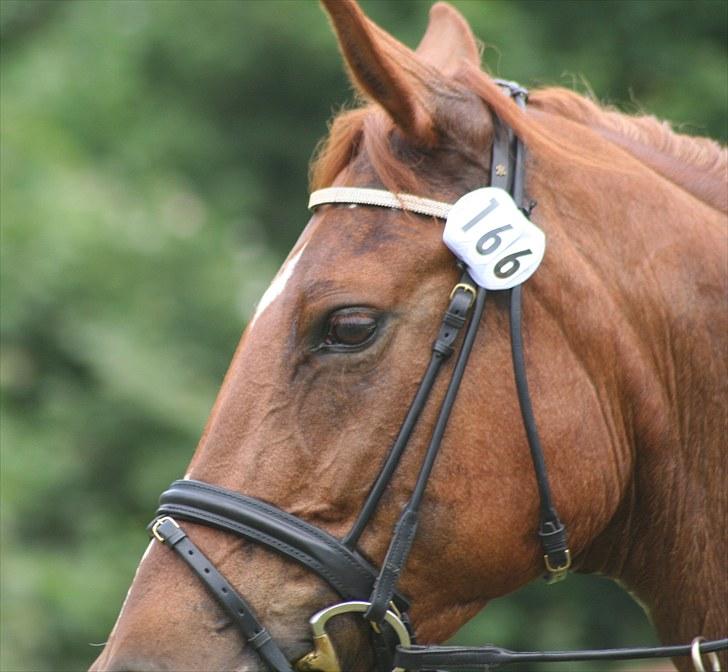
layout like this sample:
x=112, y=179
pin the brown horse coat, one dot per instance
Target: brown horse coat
x=625, y=331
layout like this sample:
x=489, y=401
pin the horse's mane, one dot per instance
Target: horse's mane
x=698, y=165
x=699, y=152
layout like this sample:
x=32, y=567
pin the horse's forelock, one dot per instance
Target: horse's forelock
x=368, y=130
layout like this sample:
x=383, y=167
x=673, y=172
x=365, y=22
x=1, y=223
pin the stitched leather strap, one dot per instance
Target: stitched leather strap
x=344, y=570
x=170, y=534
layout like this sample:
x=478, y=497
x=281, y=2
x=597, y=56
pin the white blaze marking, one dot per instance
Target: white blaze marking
x=278, y=285
x=144, y=556
x=271, y=294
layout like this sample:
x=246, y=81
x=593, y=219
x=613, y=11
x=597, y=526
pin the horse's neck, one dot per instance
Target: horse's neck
x=677, y=500
x=678, y=493
x=662, y=264
x=700, y=170
x=666, y=543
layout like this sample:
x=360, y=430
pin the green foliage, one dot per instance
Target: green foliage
x=154, y=161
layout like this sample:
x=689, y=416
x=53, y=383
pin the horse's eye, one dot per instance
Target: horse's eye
x=350, y=328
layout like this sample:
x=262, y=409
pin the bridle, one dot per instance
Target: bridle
x=364, y=588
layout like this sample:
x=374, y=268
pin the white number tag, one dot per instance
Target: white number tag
x=499, y=245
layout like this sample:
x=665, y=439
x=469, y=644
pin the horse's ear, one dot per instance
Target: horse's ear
x=448, y=41
x=384, y=70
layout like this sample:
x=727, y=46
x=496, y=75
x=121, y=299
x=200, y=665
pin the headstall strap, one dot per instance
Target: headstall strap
x=168, y=532
x=365, y=589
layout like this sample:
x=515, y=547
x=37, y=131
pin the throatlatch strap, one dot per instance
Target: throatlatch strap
x=167, y=531
x=552, y=532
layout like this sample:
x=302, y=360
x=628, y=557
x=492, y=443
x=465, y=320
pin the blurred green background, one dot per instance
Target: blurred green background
x=154, y=159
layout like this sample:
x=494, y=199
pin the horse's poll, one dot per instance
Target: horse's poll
x=489, y=231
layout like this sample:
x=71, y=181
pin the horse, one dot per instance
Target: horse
x=624, y=339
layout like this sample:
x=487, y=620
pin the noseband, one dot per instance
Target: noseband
x=363, y=588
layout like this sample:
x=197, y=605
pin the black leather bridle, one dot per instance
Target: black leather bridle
x=364, y=588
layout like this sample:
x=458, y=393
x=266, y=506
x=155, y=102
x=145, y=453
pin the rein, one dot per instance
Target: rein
x=365, y=589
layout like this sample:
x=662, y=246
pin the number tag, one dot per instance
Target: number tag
x=499, y=245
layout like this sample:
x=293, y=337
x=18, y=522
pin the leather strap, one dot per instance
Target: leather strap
x=344, y=570
x=171, y=534
x=416, y=658
x=454, y=319
x=406, y=528
x=503, y=171
x=552, y=532
x=502, y=167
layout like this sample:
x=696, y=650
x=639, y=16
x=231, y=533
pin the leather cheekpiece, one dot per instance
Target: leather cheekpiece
x=229, y=599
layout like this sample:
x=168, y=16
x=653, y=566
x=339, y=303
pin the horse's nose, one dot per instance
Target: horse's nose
x=123, y=664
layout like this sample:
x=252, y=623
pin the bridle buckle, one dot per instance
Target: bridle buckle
x=558, y=573
x=466, y=288
x=157, y=523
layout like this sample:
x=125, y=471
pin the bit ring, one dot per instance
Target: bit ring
x=697, y=657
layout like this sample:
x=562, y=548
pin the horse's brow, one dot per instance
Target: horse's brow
x=316, y=289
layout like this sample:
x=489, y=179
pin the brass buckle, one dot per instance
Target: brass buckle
x=558, y=573
x=466, y=288
x=323, y=658
x=697, y=657
x=156, y=525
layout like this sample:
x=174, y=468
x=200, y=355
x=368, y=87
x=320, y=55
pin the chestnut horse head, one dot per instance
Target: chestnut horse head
x=625, y=327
